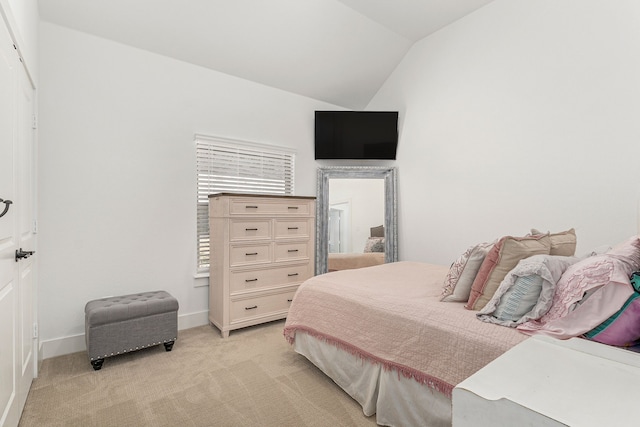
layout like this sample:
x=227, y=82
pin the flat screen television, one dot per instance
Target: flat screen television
x=356, y=135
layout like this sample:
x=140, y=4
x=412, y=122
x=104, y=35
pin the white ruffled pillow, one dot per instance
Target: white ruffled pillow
x=526, y=292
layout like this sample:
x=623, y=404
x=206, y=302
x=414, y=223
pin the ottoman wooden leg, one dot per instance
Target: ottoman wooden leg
x=168, y=345
x=97, y=364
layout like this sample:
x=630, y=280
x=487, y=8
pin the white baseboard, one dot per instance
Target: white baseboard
x=75, y=343
x=62, y=346
x=191, y=320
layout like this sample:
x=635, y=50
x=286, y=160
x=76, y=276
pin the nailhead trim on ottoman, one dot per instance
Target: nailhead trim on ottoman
x=117, y=325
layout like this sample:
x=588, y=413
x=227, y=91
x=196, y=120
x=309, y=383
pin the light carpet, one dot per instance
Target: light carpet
x=252, y=378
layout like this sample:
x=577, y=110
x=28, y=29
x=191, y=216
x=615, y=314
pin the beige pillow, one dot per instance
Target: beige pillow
x=457, y=283
x=562, y=243
x=500, y=260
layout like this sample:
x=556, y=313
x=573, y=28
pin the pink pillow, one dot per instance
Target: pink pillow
x=604, y=301
x=621, y=329
x=613, y=267
x=628, y=252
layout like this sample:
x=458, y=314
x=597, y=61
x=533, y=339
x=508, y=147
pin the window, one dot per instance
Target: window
x=230, y=166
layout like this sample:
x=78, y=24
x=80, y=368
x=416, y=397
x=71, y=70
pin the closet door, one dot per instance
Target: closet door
x=17, y=344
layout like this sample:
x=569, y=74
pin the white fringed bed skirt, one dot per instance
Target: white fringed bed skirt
x=395, y=399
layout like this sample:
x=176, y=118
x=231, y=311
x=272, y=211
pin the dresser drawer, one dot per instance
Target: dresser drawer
x=260, y=306
x=240, y=255
x=290, y=251
x=246, y=206
x=292, y=228
x=242, y=281
x=249, y=230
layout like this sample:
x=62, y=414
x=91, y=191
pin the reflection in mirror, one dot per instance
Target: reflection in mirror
x=355, y=206
x=356, y=215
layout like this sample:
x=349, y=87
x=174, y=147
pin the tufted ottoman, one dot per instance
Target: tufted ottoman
x=126, y=323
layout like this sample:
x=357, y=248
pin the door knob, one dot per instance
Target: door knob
x=7, y=204
x=23, y=254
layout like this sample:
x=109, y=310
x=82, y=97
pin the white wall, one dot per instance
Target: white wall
x=523, y=114
x=117, y=170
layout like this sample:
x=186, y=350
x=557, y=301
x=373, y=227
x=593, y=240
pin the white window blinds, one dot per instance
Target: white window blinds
x=229, y=166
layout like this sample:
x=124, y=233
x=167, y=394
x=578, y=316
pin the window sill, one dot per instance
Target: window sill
x=198, y=283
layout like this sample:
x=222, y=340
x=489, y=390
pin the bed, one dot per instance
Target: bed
x=373, y=253
x=340, y=261
x=382, y=334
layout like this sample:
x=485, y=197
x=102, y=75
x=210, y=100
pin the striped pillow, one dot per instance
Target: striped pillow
x=520, y=298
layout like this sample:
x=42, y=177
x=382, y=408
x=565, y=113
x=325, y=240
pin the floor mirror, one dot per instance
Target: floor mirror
x=355, y=204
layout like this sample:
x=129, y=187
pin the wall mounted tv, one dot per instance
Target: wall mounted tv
x=356, y=135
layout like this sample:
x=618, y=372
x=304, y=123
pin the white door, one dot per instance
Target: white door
x=339, y=227
x=335, y=223
x=25, y=209
x=17, y=348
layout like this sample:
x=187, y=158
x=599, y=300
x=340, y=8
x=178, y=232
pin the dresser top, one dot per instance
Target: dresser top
x=277, y=196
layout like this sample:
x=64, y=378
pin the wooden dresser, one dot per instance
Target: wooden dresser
x=262, y=248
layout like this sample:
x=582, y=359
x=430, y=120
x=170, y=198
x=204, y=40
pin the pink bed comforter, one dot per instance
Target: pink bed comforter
x=391, y=314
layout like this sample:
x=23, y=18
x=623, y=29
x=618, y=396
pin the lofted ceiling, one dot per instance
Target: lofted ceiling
x=337, y=51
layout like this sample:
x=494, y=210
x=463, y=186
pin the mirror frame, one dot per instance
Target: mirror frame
x=389, y=174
